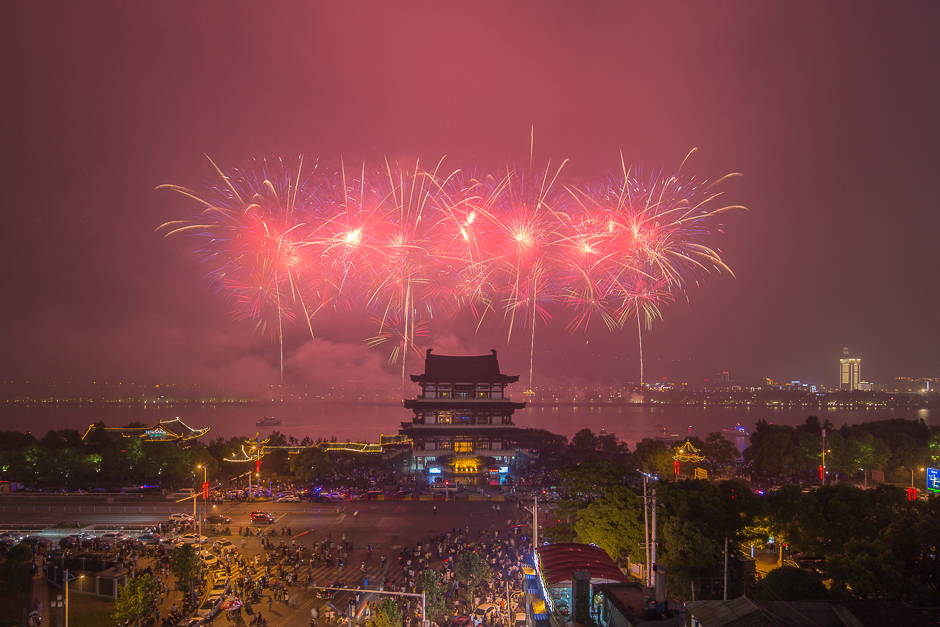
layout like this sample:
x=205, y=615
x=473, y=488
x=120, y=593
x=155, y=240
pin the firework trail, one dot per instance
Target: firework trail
x=405, y=244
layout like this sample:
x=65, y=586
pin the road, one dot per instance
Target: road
x=385, y=525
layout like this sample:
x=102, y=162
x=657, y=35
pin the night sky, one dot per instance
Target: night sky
x=831, y=111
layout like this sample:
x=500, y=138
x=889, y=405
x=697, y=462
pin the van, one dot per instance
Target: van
x=179, y=495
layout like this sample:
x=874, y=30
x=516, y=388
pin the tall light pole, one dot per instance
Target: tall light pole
x=65, y=584
x=205, y=480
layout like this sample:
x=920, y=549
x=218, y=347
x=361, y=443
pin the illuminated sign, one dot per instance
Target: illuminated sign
x=933, y=480
x=504, y=469
x=434, y=470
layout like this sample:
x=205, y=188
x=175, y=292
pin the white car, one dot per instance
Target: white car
x=223, y=546
x=193, y=538
x=485, y=613
x=181, y=517
x=114, y=537
x=208, y=559
x=289, y=498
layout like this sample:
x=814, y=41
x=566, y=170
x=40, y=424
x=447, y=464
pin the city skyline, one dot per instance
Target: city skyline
x=827, y=111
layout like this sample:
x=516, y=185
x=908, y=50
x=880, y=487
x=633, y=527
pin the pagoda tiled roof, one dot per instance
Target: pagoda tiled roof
x=462, y=369
x=470, y=405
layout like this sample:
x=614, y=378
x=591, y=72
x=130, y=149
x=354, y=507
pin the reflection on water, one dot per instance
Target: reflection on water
x=367, y=422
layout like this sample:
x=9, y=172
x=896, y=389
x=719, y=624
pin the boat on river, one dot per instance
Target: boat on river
x=268, y=421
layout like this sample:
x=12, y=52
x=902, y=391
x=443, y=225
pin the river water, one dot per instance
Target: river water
x=367, y=422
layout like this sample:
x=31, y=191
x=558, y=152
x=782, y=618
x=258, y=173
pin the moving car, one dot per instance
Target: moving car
x=260, y=517
x=114, y=537
x=223, y=546
x=181, y=517
x=323, y=593
x=150, y=538
x=485, y=613
x=289, y=498
x=193, y=538
x=217, y=519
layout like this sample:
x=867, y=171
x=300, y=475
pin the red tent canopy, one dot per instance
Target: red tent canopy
x=557, y=563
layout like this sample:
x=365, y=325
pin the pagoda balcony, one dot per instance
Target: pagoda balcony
x=422, y=397
x=457, y=425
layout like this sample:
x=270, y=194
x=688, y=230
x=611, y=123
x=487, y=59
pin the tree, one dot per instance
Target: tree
x=869, y=569
x=778, y=455
x=310, y=464
x=789, y=583
x=720, y=452
x=186, y=566
x=434, y=594
x=134, y=600
x=472, y=569
x=387, y=614
x=610, y=443
x=585, y=439
x=614, y=522
x=652, y=457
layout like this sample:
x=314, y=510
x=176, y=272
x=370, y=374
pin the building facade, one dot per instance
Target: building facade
x=462, y=430
x=850, y=371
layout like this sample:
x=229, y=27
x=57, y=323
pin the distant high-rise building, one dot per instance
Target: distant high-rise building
x=850, y=371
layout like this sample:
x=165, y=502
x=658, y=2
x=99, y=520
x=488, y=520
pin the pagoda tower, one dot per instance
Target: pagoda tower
x=462, y=427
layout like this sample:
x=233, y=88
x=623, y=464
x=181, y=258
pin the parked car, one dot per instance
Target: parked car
x=114, y=537
x=193, y=538
x=216, y=519
x=371, y=494
x=37, y=541
x=150, y=538
x=208, y=559
x=289, y=498
x=73, y=540
x=181, y=517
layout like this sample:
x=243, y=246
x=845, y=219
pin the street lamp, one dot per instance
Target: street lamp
x=65, y=584
x=912, y=475
x=205, y=480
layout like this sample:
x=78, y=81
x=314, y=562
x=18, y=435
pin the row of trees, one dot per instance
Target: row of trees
x=790, y=453
x=875, y=542
x=63, y=458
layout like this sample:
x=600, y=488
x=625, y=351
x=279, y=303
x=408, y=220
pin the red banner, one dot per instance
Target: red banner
x=205, y=491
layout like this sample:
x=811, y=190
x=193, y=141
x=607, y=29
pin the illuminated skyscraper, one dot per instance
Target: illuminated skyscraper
x=849, y=371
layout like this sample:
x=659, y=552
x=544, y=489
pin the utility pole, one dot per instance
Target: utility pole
x=726, y=568
x=646, y=528
x=535, y=521
x=823, y=478
x=653, y=543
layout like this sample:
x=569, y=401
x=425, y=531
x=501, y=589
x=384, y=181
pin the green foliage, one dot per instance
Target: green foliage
x=134, y=599
x=185, y=566
x=653, y=457
x=614, y=522
x=789, y=583
x=584, y=439
x=472, y=569
x=434, y=593
x=310, y=463
x=387, y=614
x=14, y=583
x=868, y=569
x=721, y=454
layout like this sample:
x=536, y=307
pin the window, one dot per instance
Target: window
x=463, y=447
